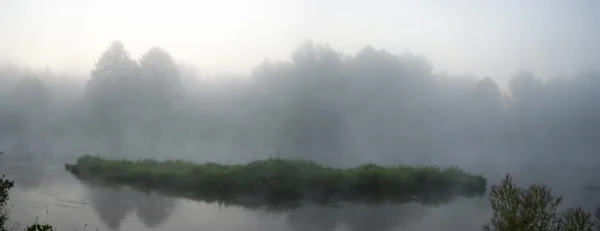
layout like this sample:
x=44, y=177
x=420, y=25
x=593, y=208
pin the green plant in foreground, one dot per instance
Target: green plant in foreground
x=38, y=227
x=5, y=186
x=534, y=209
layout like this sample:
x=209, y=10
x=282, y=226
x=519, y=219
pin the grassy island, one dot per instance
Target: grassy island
x=280, y=179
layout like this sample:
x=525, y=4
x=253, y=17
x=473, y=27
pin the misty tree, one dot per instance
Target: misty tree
x=29, y=102
x=486, y=114
x=27, y=99
x=160, y=80
x=112, y=91
x=571, y=116
x=525, y=90
x=320, y=104
x=113, y=205
x=586, y=108
x=112, y=86
x=328, y=103
x=387, y=97
x=524, y=125
x=154, y=209
x=487, y=94
x=303, y=97
x=160, y=91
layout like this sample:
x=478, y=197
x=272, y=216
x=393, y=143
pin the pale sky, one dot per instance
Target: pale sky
x=488, y=38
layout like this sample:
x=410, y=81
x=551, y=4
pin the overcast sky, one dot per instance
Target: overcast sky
x=488, y=38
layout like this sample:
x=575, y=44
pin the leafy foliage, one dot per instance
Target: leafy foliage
x=39, y=227
x=281, y=178
x=112, y=80
x=160, y=80
x=534, y=209
x=5, y=186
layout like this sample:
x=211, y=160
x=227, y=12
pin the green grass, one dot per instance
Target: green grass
x=280, y=179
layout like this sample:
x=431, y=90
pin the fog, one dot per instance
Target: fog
x=552, y=38
x=335, y=108
x=492, y=88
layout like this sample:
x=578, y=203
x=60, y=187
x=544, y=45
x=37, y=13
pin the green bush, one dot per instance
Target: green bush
x=5, y=186
x=534, y=209
x=280, y=179
x=38, y=227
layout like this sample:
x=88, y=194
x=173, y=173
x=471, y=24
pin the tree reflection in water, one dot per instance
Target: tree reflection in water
x=355, y=216
x=24, y=170
x=113, y=204
x=153, y=209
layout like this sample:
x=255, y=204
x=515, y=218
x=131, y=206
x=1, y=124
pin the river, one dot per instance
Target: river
x=45, y=191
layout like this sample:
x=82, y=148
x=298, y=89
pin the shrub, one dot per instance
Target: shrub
x=5, y=186
x=534, y=209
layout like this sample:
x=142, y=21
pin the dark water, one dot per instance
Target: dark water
x=44, y=190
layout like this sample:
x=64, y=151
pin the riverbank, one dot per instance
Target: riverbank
x=281, y=179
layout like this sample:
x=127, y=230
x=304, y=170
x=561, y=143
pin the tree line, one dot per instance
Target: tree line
x=321, y=104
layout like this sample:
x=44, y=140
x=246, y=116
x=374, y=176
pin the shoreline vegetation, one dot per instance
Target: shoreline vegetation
x=514, y=208
x=276, y=179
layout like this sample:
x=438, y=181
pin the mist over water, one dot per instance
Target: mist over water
x=324, y=105
x=231, y=82
x=72, y=204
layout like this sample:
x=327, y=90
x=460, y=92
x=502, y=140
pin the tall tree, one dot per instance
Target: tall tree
x=112, y=90
x=30, y=97
x=161, y=80
x=160, y=90
x=524, y=88
x=302, y=98
x=113, y=79
x=29, y=104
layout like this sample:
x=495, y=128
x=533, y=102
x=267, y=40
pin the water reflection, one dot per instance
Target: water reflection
x=381, y=217
x=74, y=203
x=310, y=217
x=26, y=177
x=355, y=217
x=114, y=204
x=26, y=173
x=153, y=209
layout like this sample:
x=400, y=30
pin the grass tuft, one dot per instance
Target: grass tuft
x=280, y=179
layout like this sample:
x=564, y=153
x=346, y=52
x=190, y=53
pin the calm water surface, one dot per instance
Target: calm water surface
x=49, y=193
